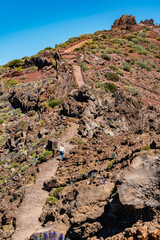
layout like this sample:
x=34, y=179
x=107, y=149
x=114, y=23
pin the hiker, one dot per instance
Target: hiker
x=61, y=151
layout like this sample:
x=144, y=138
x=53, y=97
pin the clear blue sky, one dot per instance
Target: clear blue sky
x=29, y=26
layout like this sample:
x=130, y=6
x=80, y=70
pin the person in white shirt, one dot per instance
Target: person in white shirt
x=61, y=151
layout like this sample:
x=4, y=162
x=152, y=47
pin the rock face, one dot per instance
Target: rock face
x=140, y=184
x=24, y=101
x=38, y=62
x=148, y=22
x=124, y=22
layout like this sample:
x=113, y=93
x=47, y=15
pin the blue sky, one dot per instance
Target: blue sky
x=29, y=26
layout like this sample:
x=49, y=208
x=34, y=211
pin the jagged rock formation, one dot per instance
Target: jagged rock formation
x=125, y=22
x=38, y=62
x=149, y=22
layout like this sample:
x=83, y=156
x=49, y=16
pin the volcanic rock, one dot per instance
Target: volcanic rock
x=140, y=183
x=124, y=22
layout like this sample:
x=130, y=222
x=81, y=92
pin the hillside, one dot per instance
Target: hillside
x=99, y=95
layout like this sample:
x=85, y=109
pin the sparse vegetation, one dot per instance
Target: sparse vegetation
x=14, y=63
x=132, y=90
x=57, y=191
x=112, y=76
x=42, y=157
x=113, y=155
x=11, y=82
x=54, y=102
x=113, y=67
x=51, y=200
x=110, y=165
x=106, y=56
x=108, y=87
x=126, y=67
x=84, y=66
x=143, y=65
x=147, y=147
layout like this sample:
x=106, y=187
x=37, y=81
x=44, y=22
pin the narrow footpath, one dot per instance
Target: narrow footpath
x=78, y=75
x=27, y=215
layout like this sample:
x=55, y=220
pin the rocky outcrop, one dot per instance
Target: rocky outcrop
x=149, y=22
x=89, y=105
x=23, y=100
x=125, y=22
x=38, y=62
x=140, y=183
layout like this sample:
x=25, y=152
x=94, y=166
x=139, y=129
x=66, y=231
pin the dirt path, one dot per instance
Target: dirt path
x=78, y=75
x=71, y=49
x=28, y=213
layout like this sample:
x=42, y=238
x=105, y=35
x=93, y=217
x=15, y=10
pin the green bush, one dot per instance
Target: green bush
x=72, y=40
x=112, y=76
x=147, y=147
x=86, y=35
x=14, y=63
x=34, y=68
x=114, y=68
x=143, y=52
x=77, y=49
x=131, y=51
x=126, y=67
x=146, y=29
x=113, y=155
x=158, y=38
x=143, y=65
x=120, y=73
x=153, y=46
x=93, y=46
x=102, y=46
x=94, y=51
x=110, y=50
x=142, y=34
x=84, y=67
x=108, y=87
x=106, y=56
x=42, y=156
x=74, y=85
x=11, y=82
x=51, y=200
x=48, y=48
x=153, y=65
x=132, y=90
x=117, y=41
x=110, y=165
x=24, y=168
x=108, y=36
x=95, y=38
x=54, y=102
x=13, y=165
x=57, y=191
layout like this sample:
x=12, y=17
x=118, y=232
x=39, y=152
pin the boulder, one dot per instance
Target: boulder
x=140, y=183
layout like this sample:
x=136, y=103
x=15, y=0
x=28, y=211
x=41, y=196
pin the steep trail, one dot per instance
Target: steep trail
x=78, y=75
x=71, y=49
x=27, y=215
